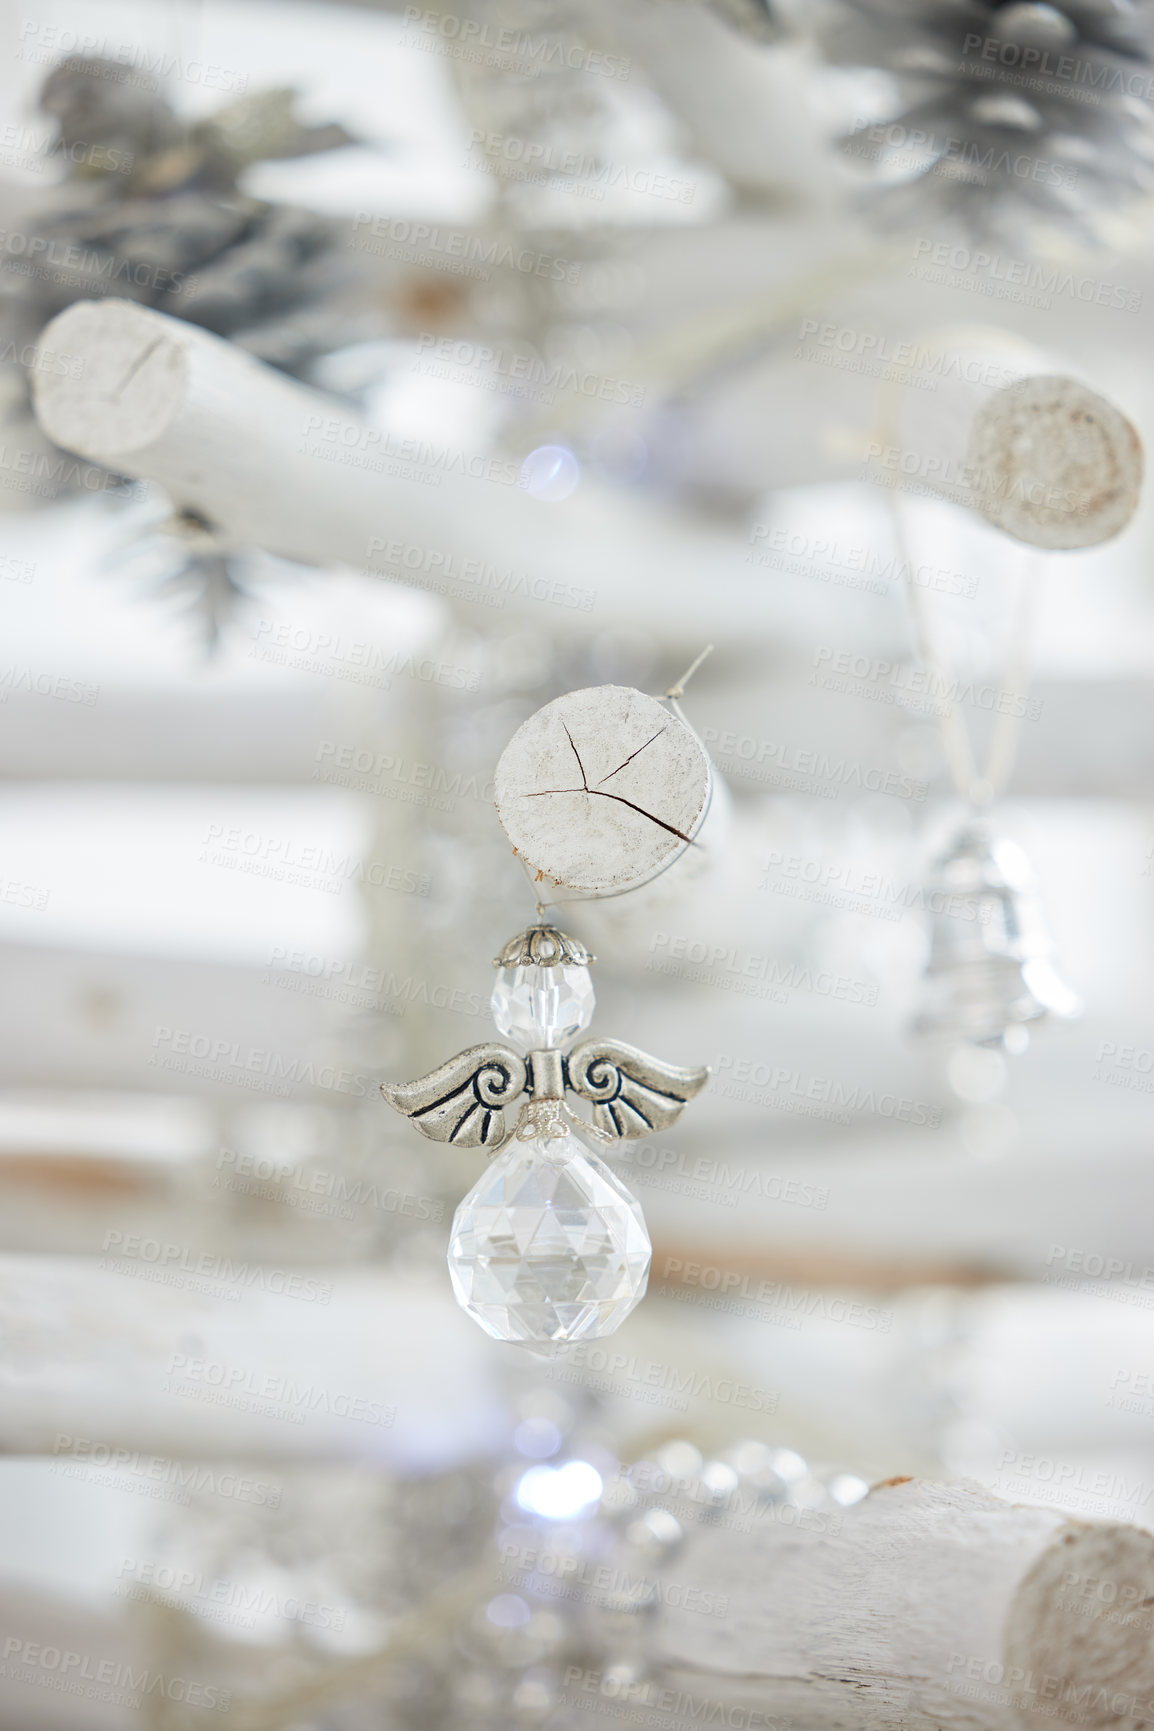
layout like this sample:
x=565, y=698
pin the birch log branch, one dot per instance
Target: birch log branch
x=1019, y=1588
x=923, y=1605
x=930, y=1605
x=275, y=465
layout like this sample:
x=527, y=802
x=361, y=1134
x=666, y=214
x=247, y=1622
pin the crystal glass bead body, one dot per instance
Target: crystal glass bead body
x=549, y=1247
x=535, y=1007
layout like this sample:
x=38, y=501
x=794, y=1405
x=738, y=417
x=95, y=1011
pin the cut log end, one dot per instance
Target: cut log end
x=1080, y=1631
x=123, y=382
x=921, y=1606
x=601, y=790
x=1054, y=464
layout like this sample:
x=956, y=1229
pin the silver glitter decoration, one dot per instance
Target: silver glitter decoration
x=1004, y=113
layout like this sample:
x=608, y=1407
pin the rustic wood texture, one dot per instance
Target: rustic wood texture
x=276, y=465
x=1054, y=464
x=923, y=1605
x=601, y=790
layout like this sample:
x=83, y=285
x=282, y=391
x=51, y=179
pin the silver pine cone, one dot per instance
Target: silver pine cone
x=1008, y=116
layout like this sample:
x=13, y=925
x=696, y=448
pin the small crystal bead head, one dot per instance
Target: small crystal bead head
x=543, y=997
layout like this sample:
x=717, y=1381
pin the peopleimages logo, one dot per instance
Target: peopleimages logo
x=258, y=1391
x=362, y=661
x=1096, y=1265
x=550, y=376
x=709, y=1180
x=348, y=982
x=975, y=1677
x=919, y=689
x=642, y=1700
x=1110, y=76
x=875, y=348
x=57, y=685
x=686, y=1280
x=1014, y=279
x=125, y=62
x=768, y=760
x=561, y=1574
x=375, y=448
x=492, y=44
x=1125, y=1067
x=1071, y=1484
x=475, y=579
x=43, y=254
x=723, y=964
x=941, y=152
x=845, y=884
x=943, y=473
x=530, y=159
x=314, y=1189
x=128, y=1247
x=744, y=1077
x=850, y=565
x=233, y=1601
x=1105, y=1600
x=287, y=861
x=111, y=1680
x=456, y=250
x=651, y=1375
x=223, y=1060
x=176, y=1481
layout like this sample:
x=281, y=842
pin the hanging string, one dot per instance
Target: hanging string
x=1004, y=739
x=677, y=689
x=979, y=787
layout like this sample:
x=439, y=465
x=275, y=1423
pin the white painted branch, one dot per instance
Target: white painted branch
x=923, y=1605
x=275, y=465
x=278, y=466
x=158, y=1347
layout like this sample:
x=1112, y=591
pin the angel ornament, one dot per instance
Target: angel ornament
x=549, y=1247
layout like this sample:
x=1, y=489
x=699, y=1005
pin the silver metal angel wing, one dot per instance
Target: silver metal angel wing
x=461, y=1102
x=632, y=1093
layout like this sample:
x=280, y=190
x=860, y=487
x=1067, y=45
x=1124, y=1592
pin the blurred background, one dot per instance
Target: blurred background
x=662, y=296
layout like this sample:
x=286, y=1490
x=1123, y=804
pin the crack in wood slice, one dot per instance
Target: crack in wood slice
x=580, y=846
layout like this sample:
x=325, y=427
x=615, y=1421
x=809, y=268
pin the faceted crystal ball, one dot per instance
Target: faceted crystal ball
x=549, y=1247
x=536, y=1007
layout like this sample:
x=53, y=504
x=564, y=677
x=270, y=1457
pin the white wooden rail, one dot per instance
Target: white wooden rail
x=276, y=465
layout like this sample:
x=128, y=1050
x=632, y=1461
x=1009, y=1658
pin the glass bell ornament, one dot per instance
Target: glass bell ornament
x=991, y=970
x=549, y=1247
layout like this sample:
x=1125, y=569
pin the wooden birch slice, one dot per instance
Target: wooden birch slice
x=1054, y=464
x=601, y=790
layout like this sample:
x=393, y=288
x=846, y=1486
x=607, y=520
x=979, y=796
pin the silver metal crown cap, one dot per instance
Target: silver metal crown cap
x=543, y=947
